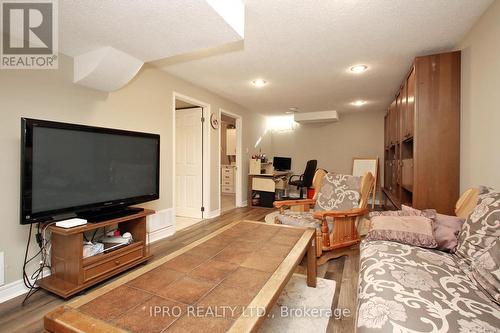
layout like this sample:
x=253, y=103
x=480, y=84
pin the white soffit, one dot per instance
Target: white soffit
x=148, y=30
x=105, y=69
x=316, y=117
x=233, y=12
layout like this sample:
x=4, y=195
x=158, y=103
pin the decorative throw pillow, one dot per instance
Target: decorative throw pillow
x=486, y=270
x=338, y=192
x=405, y=211
x=410, y=211
x=446, y=231
x=482, y=227
x=412, y=230
x=386, y=213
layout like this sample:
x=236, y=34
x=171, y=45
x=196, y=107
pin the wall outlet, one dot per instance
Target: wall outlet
x=2, y=270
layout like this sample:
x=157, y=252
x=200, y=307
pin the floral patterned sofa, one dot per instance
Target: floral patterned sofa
x=404, y=288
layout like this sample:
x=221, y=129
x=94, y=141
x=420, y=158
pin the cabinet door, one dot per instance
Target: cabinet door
x=231, y=142
x=404, y=112
x=394, y=123
x=401, y=108
x=387, y=134
x=410, y=107
x=387, y=175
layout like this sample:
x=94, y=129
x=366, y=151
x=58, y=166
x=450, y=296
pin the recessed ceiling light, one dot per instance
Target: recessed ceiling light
x=259, y=83
x=293, y=109
x=359, y=69
x=359, y=103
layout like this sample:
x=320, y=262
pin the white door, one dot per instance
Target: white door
x=188, y=162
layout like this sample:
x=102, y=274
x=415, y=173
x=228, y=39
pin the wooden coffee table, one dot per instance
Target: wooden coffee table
x=226, y=281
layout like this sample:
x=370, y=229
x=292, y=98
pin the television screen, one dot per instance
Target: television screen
x=282, y=163
x=73, y=168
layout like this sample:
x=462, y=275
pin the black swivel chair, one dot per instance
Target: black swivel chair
x=305, y=180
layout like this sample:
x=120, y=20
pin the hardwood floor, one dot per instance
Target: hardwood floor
x=29, y=318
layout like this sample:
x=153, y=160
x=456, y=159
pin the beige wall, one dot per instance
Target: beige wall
x=480, y=118
x=143, y=105
x=334, y=145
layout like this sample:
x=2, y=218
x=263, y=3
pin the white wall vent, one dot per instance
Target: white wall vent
x=106, y=69
x=316, y=117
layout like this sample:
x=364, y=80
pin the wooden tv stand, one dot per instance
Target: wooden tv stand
x=71, y=273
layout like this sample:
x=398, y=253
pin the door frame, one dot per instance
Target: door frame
x=206, y=150
x=239, y=159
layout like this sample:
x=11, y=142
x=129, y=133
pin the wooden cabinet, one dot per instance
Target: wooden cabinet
x=422, y=136
x=72, y=273
x=410, y=107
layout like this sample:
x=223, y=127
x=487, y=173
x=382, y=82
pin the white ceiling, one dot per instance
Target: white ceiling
x=304, y=49
x=145, y=29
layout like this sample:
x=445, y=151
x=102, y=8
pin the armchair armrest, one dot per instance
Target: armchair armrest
x=338, y=213
x=283, y=203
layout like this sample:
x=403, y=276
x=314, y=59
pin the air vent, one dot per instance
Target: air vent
x=316, y=117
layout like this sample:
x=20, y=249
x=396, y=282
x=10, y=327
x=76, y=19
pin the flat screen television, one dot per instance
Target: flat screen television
x=74, y=170
x=282, y=163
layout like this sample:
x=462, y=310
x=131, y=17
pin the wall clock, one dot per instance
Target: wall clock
x=214, y=121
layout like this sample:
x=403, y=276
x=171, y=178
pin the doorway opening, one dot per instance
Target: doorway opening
x=190, y=168
x=230, y=161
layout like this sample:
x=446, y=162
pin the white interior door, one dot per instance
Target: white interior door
x=188, y=162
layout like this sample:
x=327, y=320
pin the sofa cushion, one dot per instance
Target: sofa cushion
x=414, y=230
x=338, y=192
x=486, y=271
x=404, y=288
x=482, y=227
x=446, y=231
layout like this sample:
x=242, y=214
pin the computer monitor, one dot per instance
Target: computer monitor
x=282, y=163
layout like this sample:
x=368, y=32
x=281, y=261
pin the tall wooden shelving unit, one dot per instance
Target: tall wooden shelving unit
x=422, y=136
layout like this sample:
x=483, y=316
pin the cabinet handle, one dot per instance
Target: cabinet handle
x=117, y=262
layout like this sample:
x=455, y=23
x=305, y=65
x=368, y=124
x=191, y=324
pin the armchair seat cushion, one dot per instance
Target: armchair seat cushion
x=301, y=219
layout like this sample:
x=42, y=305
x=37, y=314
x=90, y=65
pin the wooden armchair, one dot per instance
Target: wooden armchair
x=342, y=232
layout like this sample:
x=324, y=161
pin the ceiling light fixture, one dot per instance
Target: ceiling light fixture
x=359, y=69
x=259, y=83
x=359, y=103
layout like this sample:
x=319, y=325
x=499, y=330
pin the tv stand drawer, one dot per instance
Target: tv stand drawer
x=112, y=262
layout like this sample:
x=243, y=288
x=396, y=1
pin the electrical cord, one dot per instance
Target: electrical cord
x=30, y=281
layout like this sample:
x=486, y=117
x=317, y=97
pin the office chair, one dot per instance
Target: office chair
x=305, y=180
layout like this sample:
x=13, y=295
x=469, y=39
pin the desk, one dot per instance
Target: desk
x=266, y=182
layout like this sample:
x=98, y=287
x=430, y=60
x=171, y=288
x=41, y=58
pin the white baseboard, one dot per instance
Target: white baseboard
x=14, y=289
x=156, y=235
x=161, y=225
x=212, y=214
x=244, y=203
x=11, y=290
